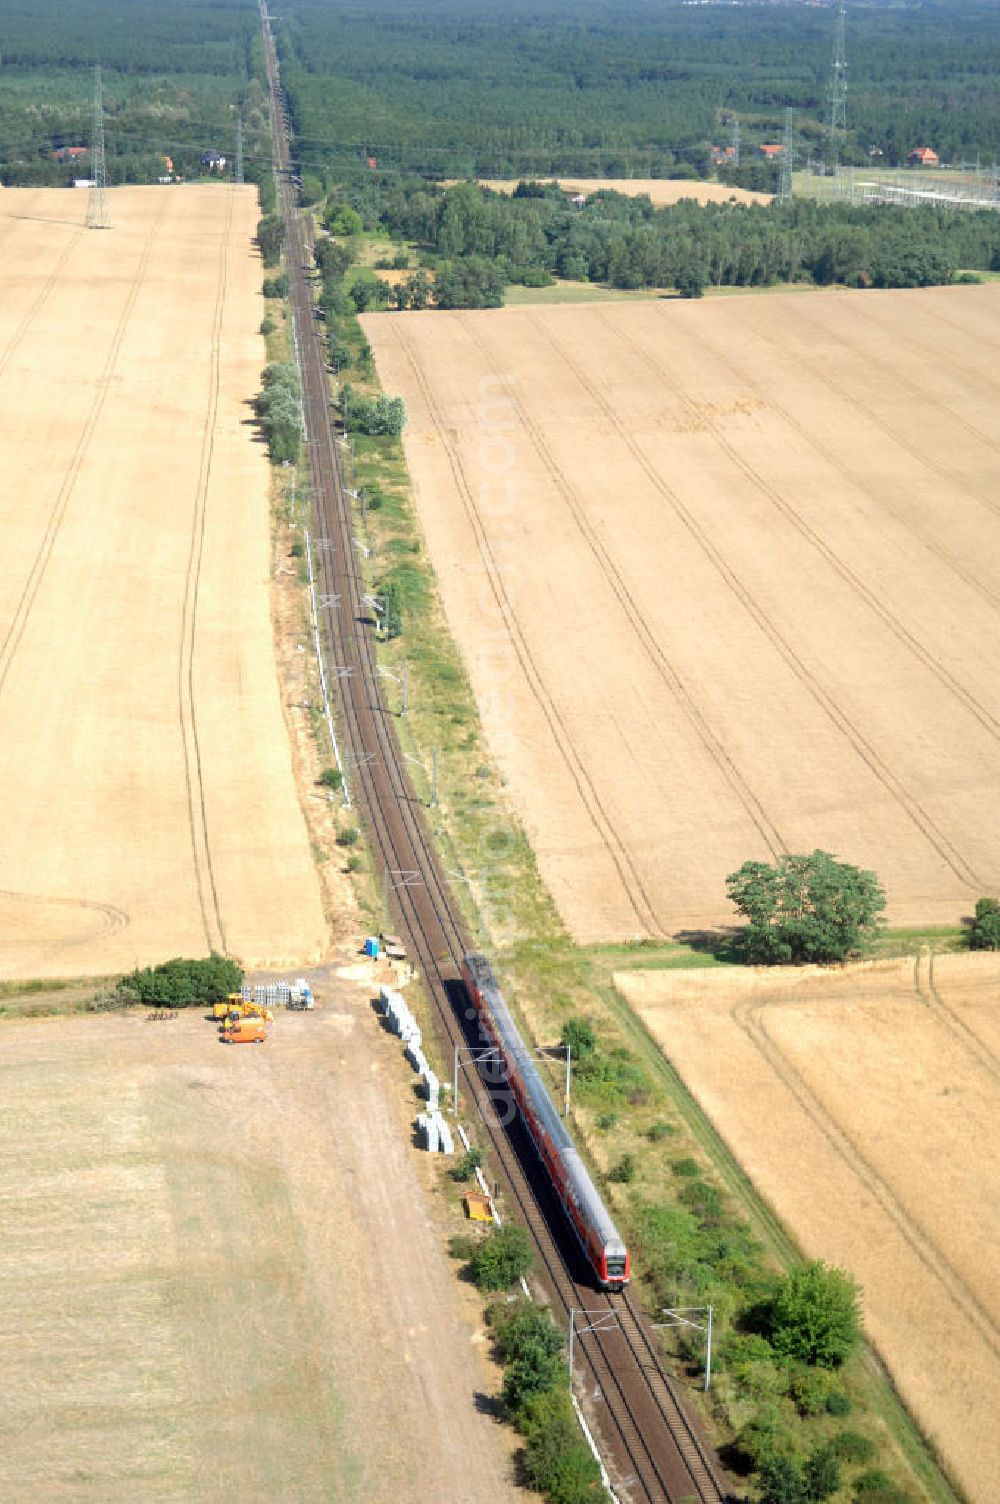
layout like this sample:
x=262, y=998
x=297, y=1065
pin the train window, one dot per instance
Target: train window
x=616, y=1268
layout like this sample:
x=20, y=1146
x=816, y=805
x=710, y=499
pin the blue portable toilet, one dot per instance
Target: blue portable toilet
x=371, y=947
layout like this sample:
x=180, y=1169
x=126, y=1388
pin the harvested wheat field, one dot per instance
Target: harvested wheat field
x=661, y=191
x=726, y=576
x=147, y=806
x=866, y=1115
x=221, y=1273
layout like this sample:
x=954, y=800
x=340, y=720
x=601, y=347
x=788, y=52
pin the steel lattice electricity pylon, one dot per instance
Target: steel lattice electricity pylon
x=837, y=118
x=239, y=148
x=98, y=217
x=787, y=159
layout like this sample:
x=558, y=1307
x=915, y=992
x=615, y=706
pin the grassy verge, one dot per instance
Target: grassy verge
x=892, y=943
x=517, y=296
x=42, y=997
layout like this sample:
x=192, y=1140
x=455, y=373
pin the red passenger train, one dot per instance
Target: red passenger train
x=599, y=1238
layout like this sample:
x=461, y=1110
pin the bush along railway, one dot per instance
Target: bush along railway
x=648, y=1437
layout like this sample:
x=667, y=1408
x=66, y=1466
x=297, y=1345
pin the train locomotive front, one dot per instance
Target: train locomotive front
x=591, y=1221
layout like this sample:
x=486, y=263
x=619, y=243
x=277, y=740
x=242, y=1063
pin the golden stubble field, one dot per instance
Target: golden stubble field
x=726, y=577
x=661, y=191
x=223, y=1273
x=147, y=805
x=863, y=1104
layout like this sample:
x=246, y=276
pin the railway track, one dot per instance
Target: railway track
x=650, y=1441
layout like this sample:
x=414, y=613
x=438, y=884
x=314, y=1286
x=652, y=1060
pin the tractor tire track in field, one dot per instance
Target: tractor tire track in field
x=937, y=359
x=114, y=919
x=751, y=805
x=29, y=592
x=750, y=1018
x=631, y=882
x=851, y=579
x=724, y=358
x=904, y=441
x=941, y=843
x=41, y=297
x=947, y=1016
x=981, y=334
x=201, y=849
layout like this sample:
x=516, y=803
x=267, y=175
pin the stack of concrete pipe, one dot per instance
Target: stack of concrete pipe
x=434, y=1131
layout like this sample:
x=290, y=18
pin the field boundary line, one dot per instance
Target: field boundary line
x=853, y=581
x=201, y=849
x=581, y=779
x=792, y=659
x=36, y=573
x=752, y=805
x=814, y=442
x=749, y=1017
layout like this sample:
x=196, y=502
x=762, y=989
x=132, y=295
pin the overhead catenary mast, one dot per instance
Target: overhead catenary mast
x=98, y=216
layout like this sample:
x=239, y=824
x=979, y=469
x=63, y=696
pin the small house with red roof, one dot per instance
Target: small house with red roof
x=923, y=156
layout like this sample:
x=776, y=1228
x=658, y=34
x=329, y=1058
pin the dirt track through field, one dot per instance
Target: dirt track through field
x=148, y=806
x=878, y=1085
x=723, y=575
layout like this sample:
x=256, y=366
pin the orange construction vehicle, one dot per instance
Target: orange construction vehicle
x=231, y=1013
x=244, y=1031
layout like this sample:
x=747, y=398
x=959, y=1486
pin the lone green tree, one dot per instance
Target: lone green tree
x=815, y=1316
x=392, y=610
x=270, y=238
x=805, y=908
x=578, y=1035
x=501, y=1258
x=341, y=219
x=780, y=1482
x=985, y=932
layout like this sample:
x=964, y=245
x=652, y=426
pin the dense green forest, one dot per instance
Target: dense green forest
x=173, y=78
x=640, y=88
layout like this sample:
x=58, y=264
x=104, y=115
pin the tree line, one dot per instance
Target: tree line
x=476, y=241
